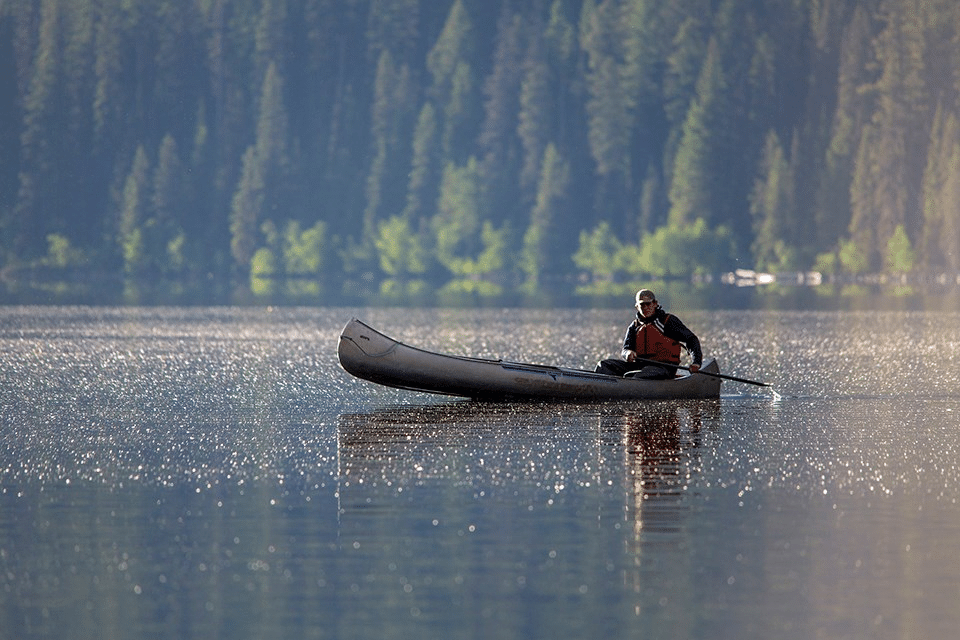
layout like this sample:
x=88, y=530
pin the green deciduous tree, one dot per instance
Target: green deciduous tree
x=853, y=257
x=291, y=261
x=263, y=271
x=303, y=249
x=457, y=223
x=402, y=250
x=597, y=252
x=304, y=253
x=466, y=245
x=899, y=257
x=61, y=254
x=685, y=250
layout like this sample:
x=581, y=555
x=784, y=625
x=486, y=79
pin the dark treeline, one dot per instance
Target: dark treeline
x=405, y=146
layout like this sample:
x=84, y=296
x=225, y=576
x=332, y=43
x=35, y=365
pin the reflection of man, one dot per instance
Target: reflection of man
x=654, y=451
x=661, y=452
x=654, y=335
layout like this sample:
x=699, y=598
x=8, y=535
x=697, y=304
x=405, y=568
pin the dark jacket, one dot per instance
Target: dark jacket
x=672, y=327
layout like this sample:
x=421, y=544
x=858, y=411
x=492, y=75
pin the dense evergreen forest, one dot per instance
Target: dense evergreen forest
x=408, y=147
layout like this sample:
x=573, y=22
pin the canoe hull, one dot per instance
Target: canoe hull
x=373, y=356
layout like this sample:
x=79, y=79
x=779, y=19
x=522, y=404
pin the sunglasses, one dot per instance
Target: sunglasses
x=646, y=303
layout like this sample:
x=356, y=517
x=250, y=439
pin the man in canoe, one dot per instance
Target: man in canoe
x=654, y=335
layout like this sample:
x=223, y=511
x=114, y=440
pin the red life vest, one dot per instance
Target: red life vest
x=653, y=345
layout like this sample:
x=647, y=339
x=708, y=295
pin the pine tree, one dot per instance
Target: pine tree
x=453, y=87
x=610, y=103
x=683, y=64
x=134, y=214
x=168, y=182
x=534, y=117
x=862, y=243
x=424, y=173
x=684, y=60
x=80, y=185
x=497, y=143
x=270, y=42
x=39, y=139
x=833, y=212
x=178, y=44
x=111, y=104
x=545, y=94
x=950, y=231
x=939, y=240
x=168, y=204
x=772, y=205
x=559, y=35
x=246, y=209
x=383, y=137
x=691, y=189
x=272, y=144
x=392, y=25
x=542, y=254
x=265, y=163
x=900, y=121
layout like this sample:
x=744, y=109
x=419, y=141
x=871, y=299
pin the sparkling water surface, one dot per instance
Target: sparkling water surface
x=212, y=472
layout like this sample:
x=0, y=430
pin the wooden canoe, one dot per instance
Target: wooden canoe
x=370, y=355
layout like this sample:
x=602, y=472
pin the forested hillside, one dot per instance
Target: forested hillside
x=408, y=146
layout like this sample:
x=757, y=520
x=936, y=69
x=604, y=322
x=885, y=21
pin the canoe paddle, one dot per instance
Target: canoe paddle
x=707, y=373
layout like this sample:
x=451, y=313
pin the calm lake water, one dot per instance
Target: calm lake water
x=213, y=473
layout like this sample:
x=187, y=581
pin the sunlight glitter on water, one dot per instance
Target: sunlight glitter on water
x=181, y=456
x=167, y=396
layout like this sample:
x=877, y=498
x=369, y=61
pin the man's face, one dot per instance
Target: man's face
x=646, y=306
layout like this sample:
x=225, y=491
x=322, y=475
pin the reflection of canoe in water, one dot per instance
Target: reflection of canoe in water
x=652, y=447
x=368, y=354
